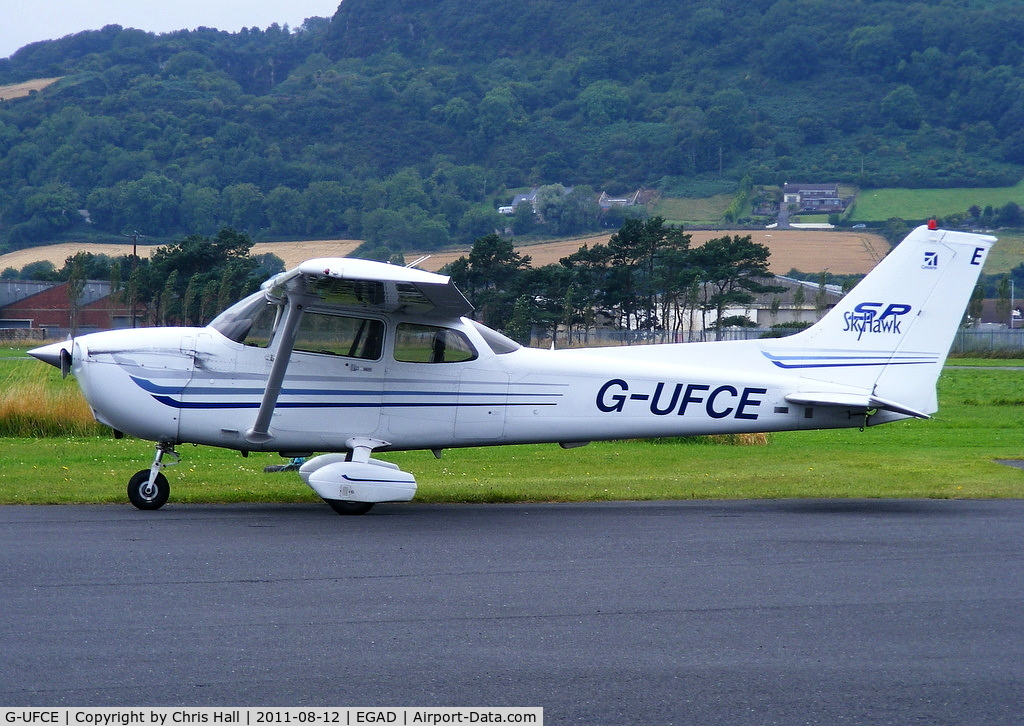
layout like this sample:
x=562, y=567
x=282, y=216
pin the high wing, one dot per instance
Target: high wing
x=342, y=283
x=351, y=284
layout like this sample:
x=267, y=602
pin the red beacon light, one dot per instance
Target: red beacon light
x=932, y=224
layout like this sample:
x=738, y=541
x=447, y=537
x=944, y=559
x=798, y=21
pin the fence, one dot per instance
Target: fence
x=1009, y=342
x=21, y=335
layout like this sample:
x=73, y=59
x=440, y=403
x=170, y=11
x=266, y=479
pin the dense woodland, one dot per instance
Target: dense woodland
x=407, y=124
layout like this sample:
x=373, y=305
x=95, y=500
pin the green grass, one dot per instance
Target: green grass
x=951, y=456
x=878, y=205
x=1007, y=253
x=15, y=352
x=1003, y=362
x=681, y=210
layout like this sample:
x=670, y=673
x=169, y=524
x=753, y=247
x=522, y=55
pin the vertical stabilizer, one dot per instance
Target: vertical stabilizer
x=889, y=337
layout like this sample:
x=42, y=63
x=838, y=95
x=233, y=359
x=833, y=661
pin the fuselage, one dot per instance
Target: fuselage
x=197, y=385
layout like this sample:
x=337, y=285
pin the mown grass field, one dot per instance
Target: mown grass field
x=981, y=419
x=687, y=211
x=876, y=205
x=1007, y=253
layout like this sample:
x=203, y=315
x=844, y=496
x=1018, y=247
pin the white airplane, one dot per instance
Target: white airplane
x=351, y=357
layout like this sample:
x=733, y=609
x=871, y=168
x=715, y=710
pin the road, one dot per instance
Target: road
x=747, y=612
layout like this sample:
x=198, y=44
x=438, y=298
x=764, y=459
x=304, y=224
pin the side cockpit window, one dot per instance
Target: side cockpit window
x=254, y=321
x=340, y=335
x=415, y=343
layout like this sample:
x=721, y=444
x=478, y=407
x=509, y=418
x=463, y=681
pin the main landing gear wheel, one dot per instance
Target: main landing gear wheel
x=349, y=507
x=144, y=496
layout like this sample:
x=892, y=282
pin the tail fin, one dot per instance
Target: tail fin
x=884, y=344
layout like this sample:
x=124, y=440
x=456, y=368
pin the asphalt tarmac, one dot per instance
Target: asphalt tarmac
x=748, y=612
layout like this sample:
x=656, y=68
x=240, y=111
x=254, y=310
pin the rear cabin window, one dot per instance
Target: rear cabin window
x=431, y=344
x=495, y=340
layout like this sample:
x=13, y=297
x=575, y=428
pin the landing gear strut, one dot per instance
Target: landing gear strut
x=149, y=489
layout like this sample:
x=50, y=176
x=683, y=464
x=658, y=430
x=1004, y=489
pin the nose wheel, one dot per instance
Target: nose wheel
x=146, y=494
x=149, y=488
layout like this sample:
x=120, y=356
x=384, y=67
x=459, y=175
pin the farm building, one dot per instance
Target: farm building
x=36, y=310
x=814, y=197
x=529, y=197
x=606, y=201
x=799, y=301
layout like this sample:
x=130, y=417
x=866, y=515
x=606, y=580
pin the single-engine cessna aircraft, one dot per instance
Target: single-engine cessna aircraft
x=349, y=357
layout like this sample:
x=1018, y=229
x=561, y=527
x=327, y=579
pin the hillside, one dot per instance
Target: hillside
x=407, y=124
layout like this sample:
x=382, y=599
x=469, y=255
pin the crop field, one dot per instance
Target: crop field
x=842, y=253
x=806, y=250
x=20, y=90
x=953, y=455
x=291, y=252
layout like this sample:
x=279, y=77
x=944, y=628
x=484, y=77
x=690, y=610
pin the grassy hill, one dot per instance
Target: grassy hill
x=407, y=124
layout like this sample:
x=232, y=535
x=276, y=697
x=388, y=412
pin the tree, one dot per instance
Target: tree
x=284, y=211
x=197, y=262
x=519, y=326
x=76, y=286
x=245, y=206
x=1010, y=215
x=479, y=221
x=169, y=302
x=873, y=47
x=895, y=230
x=151, y=202
x=1003, y=299
x=324, y=204
x=489, y=276
x=604, y=102
x=444, y=103
x=642, y=262
x=902, y=107
x=53, y=203
x=732, y=268
x=201, y=211
x=497, y=112
x=975, y=306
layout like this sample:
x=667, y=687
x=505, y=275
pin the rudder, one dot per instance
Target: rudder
x=889, y=336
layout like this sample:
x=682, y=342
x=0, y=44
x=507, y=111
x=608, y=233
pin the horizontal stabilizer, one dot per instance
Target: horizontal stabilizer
x=852, y=400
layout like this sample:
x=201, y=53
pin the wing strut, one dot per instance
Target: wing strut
x=260, y=431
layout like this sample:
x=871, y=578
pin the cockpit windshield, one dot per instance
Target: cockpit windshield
x=251, y=321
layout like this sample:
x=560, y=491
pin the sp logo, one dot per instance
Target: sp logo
x=876, y=318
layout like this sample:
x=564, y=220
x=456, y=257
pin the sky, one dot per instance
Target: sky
x=27, y=21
